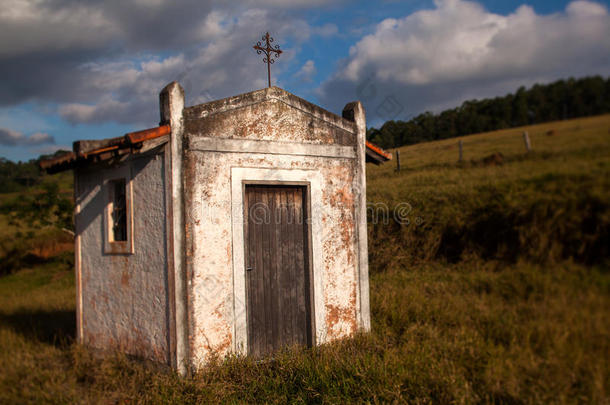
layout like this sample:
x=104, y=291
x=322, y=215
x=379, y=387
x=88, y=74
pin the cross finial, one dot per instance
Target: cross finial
x=268, y=50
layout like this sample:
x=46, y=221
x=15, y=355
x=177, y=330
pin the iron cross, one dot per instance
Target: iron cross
x=268, y=50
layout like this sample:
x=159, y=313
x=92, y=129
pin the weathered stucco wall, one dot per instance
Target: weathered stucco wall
x=180, y=296
x=210, y=246
x=269, y=114
x=123, y=298
x=297, y=138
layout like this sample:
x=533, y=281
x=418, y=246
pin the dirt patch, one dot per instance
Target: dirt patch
x=495, y=159
x=51, y=249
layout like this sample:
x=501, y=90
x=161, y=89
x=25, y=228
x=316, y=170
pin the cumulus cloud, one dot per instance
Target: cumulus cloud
x=327, y=30
x=306, y=72
x=436, y=58
x=288, y=3
x=127, y=91
x=107, y=60
x=104, y=111
x=45, y=43
x=583, y=8
x=27, y=26
x=9, y=137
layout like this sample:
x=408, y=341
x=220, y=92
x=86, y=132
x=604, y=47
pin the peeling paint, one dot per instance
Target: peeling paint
x=130, y=298
x=210, y=212
x=122, y=290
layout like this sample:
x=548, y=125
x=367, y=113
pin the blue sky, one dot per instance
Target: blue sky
x=83, y=70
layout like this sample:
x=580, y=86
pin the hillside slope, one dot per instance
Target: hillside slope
x=489, y=284
x=563, y=99
x=500, y=203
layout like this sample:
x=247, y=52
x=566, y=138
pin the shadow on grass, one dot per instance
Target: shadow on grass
x=56, y=328
x=17, y=258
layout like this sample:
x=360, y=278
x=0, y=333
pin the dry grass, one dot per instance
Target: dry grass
x=520, y=315
x=546, y=206
x=587, y=135
x=442, y=334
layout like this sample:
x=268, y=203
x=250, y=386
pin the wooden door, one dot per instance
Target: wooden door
x=277, y=269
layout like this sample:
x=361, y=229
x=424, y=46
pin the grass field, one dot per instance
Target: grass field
x=546, y=206
x=496, y=290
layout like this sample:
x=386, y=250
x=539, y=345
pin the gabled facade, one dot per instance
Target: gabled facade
x=236, y=226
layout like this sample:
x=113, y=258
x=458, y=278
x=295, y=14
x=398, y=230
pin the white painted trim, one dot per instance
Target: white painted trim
x=169, y=242
x=239, y=175
x=363, y=261
x=110, y=246
x=270, y=147
x=172, y=108
x=78, y=261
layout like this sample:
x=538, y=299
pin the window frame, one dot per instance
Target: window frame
x=111, y=246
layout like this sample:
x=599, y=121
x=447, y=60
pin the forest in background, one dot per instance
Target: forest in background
x=20, y=176
x=560, y=100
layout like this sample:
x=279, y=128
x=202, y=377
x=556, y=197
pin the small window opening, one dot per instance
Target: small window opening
x=119, y=210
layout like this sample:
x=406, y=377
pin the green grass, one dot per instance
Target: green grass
x=496, y=291
x=546, y=206
x=442, y=333
x=571, y=137
x=30, y=222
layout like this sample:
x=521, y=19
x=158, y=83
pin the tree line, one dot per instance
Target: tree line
x=563, y=99
x=19, y=176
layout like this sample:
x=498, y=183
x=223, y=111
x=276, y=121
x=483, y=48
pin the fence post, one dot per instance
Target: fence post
x=397, y=160
x=460, y=147
x=526, y=140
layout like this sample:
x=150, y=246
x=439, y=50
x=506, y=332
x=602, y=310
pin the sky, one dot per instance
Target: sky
x=74, y=70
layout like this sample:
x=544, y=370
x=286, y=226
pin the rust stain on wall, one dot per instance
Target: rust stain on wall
x=128, y=309
x=341, y=320
x=125, y=278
